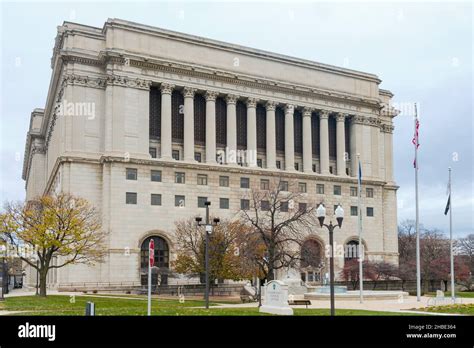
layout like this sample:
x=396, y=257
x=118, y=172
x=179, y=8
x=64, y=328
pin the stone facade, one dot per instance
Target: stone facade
x=96, y=124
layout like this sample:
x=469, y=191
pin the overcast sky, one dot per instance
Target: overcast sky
x=422, y=52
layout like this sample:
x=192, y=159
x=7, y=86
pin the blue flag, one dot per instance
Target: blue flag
x=360, y=175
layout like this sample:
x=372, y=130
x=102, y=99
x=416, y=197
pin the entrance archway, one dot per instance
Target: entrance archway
x=311, y=261
x=161, y=261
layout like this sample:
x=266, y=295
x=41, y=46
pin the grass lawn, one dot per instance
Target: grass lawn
x=61, y=305
x=467, y=309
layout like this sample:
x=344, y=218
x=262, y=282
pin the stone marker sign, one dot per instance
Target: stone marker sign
x=276, y=299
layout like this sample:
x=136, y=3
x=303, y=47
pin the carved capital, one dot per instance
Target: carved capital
x=307, y=111
x=323, y=114
x=251, y=102
x=166, y=88
x=340, y=117
x=188, y=92
x=271, y=105
x=231, y=98
x=211, y=95
x=387, y=128
x=289, y=109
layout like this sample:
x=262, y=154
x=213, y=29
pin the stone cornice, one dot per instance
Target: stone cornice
x=249, y=81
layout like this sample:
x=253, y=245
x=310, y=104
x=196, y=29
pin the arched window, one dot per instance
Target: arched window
x=351, y=250
x=311, y=261
x=161, y=252
x=311, y=254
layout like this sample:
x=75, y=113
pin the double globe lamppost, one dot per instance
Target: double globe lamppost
x=208, y=231
x=321, y=215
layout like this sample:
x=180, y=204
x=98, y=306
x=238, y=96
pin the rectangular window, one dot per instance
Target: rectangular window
x=353, y=191
x=244, y=204
x=179, y=178
x=202, y=179
x=179, y=201
x=155, y=175
x=224, y=203
x=264, y=184
x=369, y=192
x=284, y=207
x=131, y=198
x=131, y=174
x=201, y=202
x=175, y=155
x=224, y=181
x=152, y=151
x=354, y=211
x=302, y=206
x=302, y=187
x=278, y=164
x=198, y=157
x=320, y=189
x=337, y=190
x=155, y=199
x=283, y=185
x=259, y=162
x=265, y=205
x=244, y=183
x=370, y=211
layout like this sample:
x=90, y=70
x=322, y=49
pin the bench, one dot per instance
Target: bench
x=299, y=303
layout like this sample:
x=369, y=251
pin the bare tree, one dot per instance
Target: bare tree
x=280, y=218
x=62, y=227
x=465, y=246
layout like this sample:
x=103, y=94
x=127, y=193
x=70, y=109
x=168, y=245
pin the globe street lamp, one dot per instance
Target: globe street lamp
x=208, y=232
x=339, y=214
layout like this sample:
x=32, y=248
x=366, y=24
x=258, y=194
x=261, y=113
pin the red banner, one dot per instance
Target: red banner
x=151, y=250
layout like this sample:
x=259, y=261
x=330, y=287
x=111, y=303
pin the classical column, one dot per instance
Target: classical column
x=341, y=144
x=307, y=142
x=271, y=141
x=188, y=94
x=166, y=90
x=356, y=143
x=252, y=132
x=324, y=141
x=289, y=138
x=388, y=153
x=211, y=126
x=231, y=151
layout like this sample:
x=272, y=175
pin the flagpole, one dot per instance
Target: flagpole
x=359, y=226
x=417, y=226
x=453, y=291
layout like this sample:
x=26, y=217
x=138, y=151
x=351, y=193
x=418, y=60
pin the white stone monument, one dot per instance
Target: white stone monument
x=276, y=299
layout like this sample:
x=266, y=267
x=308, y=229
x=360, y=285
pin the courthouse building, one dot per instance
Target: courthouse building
x=136, y=119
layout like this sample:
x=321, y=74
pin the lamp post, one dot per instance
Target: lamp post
x=208, y=232
x=339, y=214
